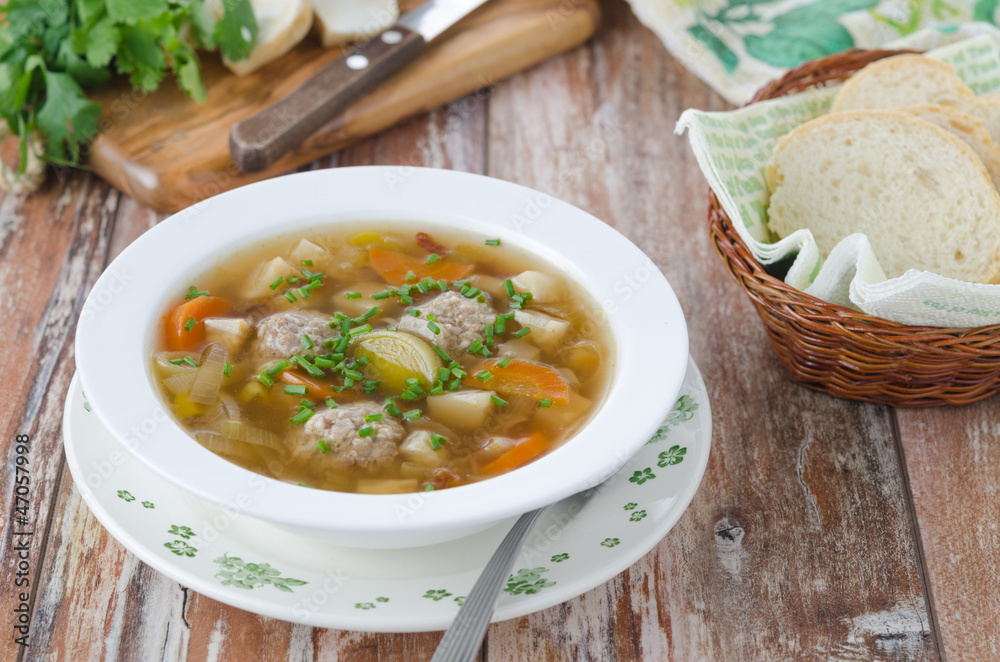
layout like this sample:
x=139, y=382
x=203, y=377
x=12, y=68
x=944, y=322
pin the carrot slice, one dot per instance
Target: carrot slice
x=518, y=455
x=315, y=388
x=521, y=377
x=180, y=338
x=393, y=267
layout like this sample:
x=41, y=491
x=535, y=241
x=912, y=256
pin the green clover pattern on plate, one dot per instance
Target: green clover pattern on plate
x=674, y=455
x=148, y=504
x=180, y=548
x=637, y=515
x=683, y=411
x=640, y=477
x=610, y=542
x=436, y=595
x=182, y=531
x=363, y=605
x=126, y=496
x=630, y=506
x=527, y=581
x=559, y=558
x=234, y=571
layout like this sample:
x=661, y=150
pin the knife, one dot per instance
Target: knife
x=258, y=141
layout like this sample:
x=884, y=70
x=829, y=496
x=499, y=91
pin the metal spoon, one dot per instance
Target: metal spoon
x=462, y=640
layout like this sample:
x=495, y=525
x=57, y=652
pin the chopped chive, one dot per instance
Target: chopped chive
x=177, y=361
x=498, y=401
x=484, y=375
x=488, y=333
x=277, y=367
x=509, y=286
x=476, y=345
x=189, y=324
x=438, y=389
x=370, y=386
x=323, y=446
x=443, y=285
x=265, y=379
x=190, y=361
x=313, y=285
x=435, y=329
x=277, y=281
x=306, y=263
x=341, y=344
x=412, y=415
x=331, y=403
x=381, y=295
x=366, y=432
x=458, y=373
x=413, y=311
x=363, y=361
x=410, y=276
x=303, y=292
x=436, y=440
x=407, y=300
x=307, y=342
x=353, y=374
x=361, y=329
x=193, y=293
x=481, y=298
x=422, y=287
x=504, y=362
x=454, y=385
x=492, y=242
x=429, y=488
x=371, y=418
x=432, y=317
x=228, y=369
x=545, y=402
x=309, y=367
x=301, y=417
x=292, y=279
x=432, y=258
x=443, y=373
x=372, y=312
x=296, y=389
x=348, y=382
x=522, y=333
x=461, y=283
x=393, y=409
x=290, y=297
x=352, y=295
x=308, y=404
x=323, y=362
x=444, y=355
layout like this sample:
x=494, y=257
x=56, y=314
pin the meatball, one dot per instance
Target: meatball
x=339, y=428
x=280, y=335
x=460, y=319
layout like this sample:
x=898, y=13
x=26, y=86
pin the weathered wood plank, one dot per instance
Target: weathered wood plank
x=49, y=244
x=799, y=544
x=953, y=463
x=97, y=601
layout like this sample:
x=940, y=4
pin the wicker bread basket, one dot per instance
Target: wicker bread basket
x=843, y=352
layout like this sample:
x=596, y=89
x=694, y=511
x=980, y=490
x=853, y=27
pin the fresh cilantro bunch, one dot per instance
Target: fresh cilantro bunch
x=51, y=50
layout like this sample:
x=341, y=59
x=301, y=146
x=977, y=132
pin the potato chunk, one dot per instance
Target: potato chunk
x=231, y=332
x=516, y=348
x=546, y=331
x=544, y=288
x=461, y=409
x=417, y=448
x=562, y=416
x=260, y=286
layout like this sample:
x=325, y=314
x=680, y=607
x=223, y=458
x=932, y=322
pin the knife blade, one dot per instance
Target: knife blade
x=258, y=141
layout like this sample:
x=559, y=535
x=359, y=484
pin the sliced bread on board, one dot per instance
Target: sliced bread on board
x=966, y=128
x=903, y=80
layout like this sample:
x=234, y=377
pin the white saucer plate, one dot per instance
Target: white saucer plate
x=578, y=544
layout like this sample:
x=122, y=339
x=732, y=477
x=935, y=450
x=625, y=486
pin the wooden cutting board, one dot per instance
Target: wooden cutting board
x=169, y=152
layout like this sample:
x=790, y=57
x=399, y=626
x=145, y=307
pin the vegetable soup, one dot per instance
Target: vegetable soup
x=380, y=361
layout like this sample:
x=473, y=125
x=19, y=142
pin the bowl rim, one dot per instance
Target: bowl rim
x=123, y=310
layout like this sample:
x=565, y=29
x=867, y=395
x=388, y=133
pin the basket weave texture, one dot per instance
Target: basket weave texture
x=843, y=352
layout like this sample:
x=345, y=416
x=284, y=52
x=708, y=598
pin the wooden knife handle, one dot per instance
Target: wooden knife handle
x=260, y=140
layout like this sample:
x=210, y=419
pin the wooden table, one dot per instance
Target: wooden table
x=824, y=529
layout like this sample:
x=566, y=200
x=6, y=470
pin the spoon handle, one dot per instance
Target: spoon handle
x=461, y=642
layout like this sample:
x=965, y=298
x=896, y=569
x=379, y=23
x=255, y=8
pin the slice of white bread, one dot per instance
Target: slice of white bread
x=921, y=195
x=281, y=25
x=968, y=129
x=343, y=21
x=903, y=80
x=987, y=108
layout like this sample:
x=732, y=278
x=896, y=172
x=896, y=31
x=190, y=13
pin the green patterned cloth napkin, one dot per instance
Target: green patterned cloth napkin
x=732, y=149
x=738, y=45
